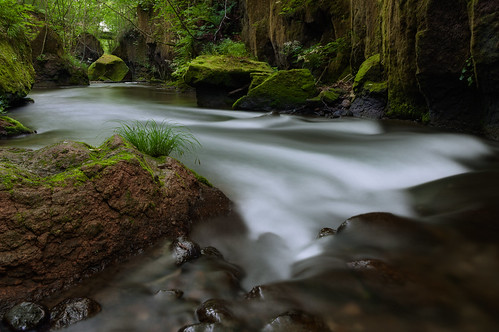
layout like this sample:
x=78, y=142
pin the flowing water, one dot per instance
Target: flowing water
x=289, y=177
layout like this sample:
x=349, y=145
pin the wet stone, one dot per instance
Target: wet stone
x=27, y=316
x=212, y=252
x=73, y=310
x=296, y=321
x=326, y=231
x=214, y=311
x=171, y=294
x=207, y=327
x=185, y=250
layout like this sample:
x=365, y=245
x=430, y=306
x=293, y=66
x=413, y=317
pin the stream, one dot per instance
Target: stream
x=289, y=177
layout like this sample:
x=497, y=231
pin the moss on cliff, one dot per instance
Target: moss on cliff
x=16, y=71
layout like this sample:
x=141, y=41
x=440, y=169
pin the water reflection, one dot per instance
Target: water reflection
x=289, y=177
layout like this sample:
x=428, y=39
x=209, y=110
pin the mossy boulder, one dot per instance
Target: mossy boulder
x=70, y=209
x=223, y=71
x=16, y=71
x=284, y=90
x=221, y=80
x=10, y=127
x=108, y=68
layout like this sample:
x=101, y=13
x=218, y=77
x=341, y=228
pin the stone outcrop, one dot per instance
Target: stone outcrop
x=108, y=68
x=147, y=50
x=16, y=71
x=87, y=48
x=52, y=66
x=221, y=80
x=433, y=53
x=68, y=210
x=440, y=59
x=269, y=24
x=284, y=90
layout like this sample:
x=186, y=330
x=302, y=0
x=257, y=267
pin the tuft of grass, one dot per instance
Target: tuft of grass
x=158, y=139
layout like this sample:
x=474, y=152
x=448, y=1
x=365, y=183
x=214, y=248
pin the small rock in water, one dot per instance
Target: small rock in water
x=171, y=294
x=326, y=231
x=211, y=252
x=215, y=311
x=27, y=316
x=295, y=321
x=185, y=250
x=206, y=327
x=73, y=310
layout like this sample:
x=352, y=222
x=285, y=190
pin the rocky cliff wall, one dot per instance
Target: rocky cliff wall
x=269, y=24
x=440, y=58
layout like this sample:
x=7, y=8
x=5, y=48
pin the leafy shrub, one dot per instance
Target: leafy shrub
x=13, y=19
x=227, y=47
x=158, y=139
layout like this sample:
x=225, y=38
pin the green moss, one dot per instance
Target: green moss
x=221, y=70
x=376, y=87
x=369, y=71
x=201, y=178
x=282, y=90
x=13, y=127
x=108, y=68
x=16, y=71
x=402, y=107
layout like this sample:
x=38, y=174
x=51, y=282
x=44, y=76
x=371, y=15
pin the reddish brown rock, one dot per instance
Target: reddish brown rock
x=68, y=210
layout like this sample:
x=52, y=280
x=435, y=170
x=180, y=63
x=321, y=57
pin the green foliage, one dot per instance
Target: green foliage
x=289, y=7
x=468, y=72
x=158, y=139
x=315, y=58
x=227, y=47
x=201, y=27
x=13, y=19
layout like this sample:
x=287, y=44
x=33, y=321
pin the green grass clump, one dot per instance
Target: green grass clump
x=158, y=139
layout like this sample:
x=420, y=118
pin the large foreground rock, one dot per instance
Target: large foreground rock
x=68, y=210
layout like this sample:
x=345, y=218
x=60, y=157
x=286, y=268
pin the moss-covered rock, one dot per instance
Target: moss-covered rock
x=370, y=71
x=223, y=71
x=328, y=96
x=286, y=89
x=10, y=127
x=108, y=68
x=221, y=80
x=70, y=202
x=16, y=71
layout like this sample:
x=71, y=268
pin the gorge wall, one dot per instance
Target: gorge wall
x=440, y=58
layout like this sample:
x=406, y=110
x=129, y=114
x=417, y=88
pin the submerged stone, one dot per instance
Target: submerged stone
x=295, y=321
x=71, y=311
x=185, y=250
x=108, y=68
x=284, y=90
